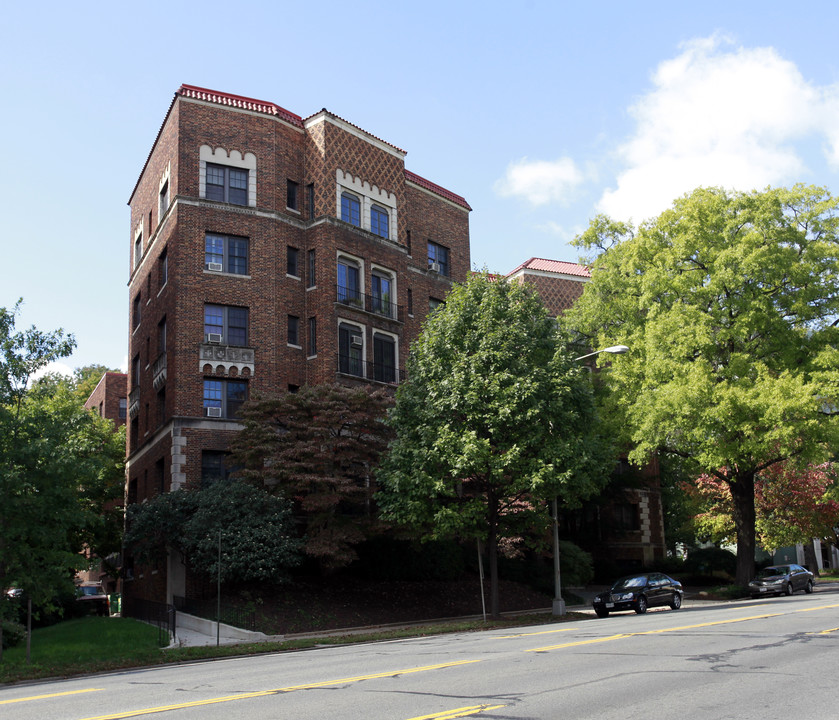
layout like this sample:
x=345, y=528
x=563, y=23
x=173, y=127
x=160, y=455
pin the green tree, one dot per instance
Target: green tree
x=494, y=419
x=728, y=301
x=81, y=383
x=318, y=446
x=257, y=542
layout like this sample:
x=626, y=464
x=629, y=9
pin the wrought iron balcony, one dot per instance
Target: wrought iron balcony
x=159, y=371
x=376, y=304
x=365, y=370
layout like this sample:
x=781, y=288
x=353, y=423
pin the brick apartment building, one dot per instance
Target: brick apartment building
x=110, y=398
x=268, y=251
x=624, y=526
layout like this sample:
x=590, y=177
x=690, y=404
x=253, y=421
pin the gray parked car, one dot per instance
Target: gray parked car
x=781, y=580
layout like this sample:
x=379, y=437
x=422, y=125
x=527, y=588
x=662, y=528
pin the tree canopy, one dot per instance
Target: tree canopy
x=494, y=419
x=728, y=301
x=318, y=446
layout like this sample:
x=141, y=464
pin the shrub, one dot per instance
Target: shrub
x=386, y=558
x=710, y=562
x=13, y=633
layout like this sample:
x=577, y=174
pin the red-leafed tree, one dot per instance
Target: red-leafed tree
x=318, y=447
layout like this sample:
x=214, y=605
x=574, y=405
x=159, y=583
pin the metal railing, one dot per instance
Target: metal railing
x=354, y=367
x=208, y=609
x=376, y=304
x=154, y=613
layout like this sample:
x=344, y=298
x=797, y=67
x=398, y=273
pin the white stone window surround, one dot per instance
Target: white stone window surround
x=137, y=246
x=164, y=181
x=356, y=327
x=234, y=159
x=368, y=195
x=395, y=338
x=388, y=273
x=355, y=261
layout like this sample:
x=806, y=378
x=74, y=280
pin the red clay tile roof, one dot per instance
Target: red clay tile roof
x=436, y=189
x=239, y=101
x=556, y=266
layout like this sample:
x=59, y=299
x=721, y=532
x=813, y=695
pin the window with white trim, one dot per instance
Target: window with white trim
x=379, y=221
x=350, y=209
x=226, y=253
x=384, y=357
x=351, y=349
x=227, y=184
x=350, y=281
x=383, y=293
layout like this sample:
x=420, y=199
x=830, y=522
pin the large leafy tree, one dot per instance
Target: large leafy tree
x=494, y=419
x=318, y=446
x=728, y=301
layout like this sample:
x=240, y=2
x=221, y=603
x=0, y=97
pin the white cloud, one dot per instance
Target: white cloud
x=53, y=367
x=719, y=117
x=540, y=181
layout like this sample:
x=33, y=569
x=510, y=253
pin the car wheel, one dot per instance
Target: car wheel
x=788, y=589
x=676, y=602
x=601, y=612
x=641, y=605
x=809, y=587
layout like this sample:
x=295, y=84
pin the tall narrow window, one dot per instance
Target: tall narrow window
x=227, y=184
x=123, y=408
x=310, y=275
x=313, y=336
x=163, y=268
x=410, y=302
x=163, y=204
x=351, y=350
x=136, y=313
x=161, y=337
x=310, y=197
x=379, y=224
x=438, y=258
x=291, y=267
x=350, y=209
x=291, y=199
x=349, y=287
x=138, y=249
x=293, y=330
x=384, y=358
x=382, y=287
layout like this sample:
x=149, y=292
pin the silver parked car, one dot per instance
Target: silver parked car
x=781, y=580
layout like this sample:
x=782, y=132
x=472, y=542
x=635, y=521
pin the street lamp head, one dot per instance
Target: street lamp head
x=613, y=350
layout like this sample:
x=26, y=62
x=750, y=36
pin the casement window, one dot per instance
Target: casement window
x=224, y=398
x=292, y=200
x=163, y=268
x=383, y=293
x=163, y=202
x=138, y=249
x=384, y=358
x=226, y=253
x=313, y=336
x=379, y=221
x=136, y=312
x=351, y=209
x=351, y=349
x=214, y=467
x=349, y=282
x=294, y=330
x=226, y=325
x=310, y=274
x=291, y=267
x=227, y=184
x=438, y=258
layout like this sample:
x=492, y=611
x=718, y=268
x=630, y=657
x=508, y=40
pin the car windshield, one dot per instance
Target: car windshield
x=773, y=571
x=89, y=590
x=630, y=582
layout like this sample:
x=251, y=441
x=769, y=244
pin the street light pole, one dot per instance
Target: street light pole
x=558, y=603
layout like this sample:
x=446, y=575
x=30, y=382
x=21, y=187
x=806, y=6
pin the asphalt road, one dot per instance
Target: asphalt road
x=773, y=658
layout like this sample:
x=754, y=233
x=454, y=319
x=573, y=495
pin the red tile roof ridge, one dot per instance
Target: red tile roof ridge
x=437, y=189
x=557, y=266
x=240, y=101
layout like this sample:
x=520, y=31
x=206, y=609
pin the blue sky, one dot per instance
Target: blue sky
x=541, y=114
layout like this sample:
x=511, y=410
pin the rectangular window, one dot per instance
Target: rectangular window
x=161, y=406
x=410, y=302
x=434, y=303
x=626, y=517
x=214, y=467
x=291, y=262
x=350, y=209
x=163, y=205
x=310, y=193
x=313, y=336
x=310, y=279
x=223, y=398
x=291, y=200
x=293, y=330
x=227, y=184
x=226, y=325
x=351, y=350
x=163, y=268
x=384, y=358
x=408, y=240
x=226, y=253
x=138, y=249
x=382, y=287
x=137, y=312
x=438, y=258
x=135, y=372
x=161, y=337
x=123, y=408
x=379, y=224
x=349, y=289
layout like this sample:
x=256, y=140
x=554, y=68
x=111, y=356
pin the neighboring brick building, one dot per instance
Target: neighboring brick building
x=623, y=526
x=268, y=251
x=110, y=398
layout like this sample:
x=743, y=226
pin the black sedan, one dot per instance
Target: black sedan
x=781, y=579
x=639, y=592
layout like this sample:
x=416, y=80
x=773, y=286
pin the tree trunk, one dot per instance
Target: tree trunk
x=743, y=497
x=492, y=551
x=810, y=559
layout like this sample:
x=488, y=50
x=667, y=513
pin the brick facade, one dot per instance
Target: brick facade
x=258, y=148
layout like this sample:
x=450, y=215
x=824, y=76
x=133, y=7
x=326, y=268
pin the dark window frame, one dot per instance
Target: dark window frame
x=229, y=395
x=294, y=330
x=292, y=195
x=351, y=209
x=379, y=221
x=228, y=190
x=438, y=254
x=232, y=252
x=228, y=319
x=292, y=265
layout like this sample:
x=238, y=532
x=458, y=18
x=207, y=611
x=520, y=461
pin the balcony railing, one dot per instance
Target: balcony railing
x=378, y=372
x=159, y=371
x=376, y=304
x=134, y=403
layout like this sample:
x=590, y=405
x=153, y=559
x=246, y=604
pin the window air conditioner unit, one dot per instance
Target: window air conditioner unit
x=213, y=412
x=356, y=341
x=214, y=338
x=434, y=266
x=215, y=267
